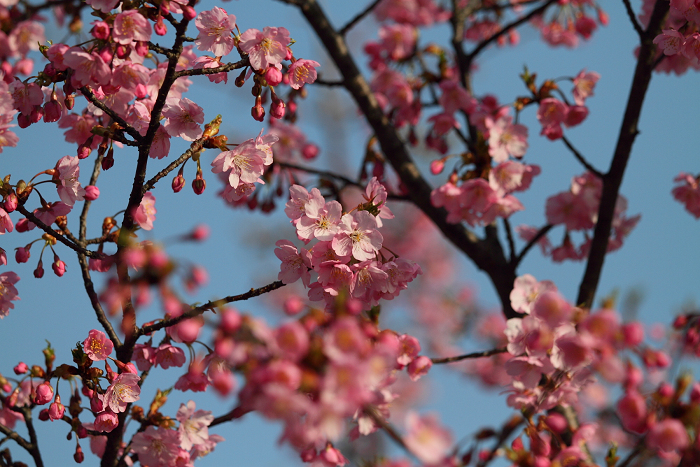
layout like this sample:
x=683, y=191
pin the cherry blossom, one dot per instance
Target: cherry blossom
x=302, y=72
x=130, y=26
x=97, y=346
x=68, y=183
x=8, y=292
x=193, y=425
x=358, y=234
x=145, y=213
x=215, y=31
x=157, y=446
x=183, y=118
x=123, y=390
x=266, y=48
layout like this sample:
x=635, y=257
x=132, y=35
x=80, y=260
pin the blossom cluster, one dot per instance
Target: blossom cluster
x=577, y=210
x=348, y=255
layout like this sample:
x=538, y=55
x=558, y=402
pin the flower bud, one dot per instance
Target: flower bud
x=56, y=409
x=178, y=183
x=21, y=368
x=39, y=271
x=11, y=202
x=44, y=393
x=92, y=192
x=257, y=111
x=273, y=76
x=58, y=266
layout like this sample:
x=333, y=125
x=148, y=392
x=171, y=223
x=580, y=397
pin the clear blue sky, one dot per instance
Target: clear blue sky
x=660, y=257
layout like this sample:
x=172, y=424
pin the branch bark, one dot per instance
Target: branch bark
x=487, y=254
x=613, y=178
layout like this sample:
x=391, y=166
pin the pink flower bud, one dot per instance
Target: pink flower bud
x=257, y=111
x=106, y=421
x=22, y=254
x=84, y=151
x=437, y=166
x=44, y=393
x=100, y=30
x=44, y=415
x=56, y=409
x=667, y=435
x=293, y=305
x=200, y=233
x=230, y=320
x=92, y=193
x=11, y=202
x=58, y=266
x=23, y=121
x=178, y=183
x=273, y=76
x=52, y=111
x=633, y=333
x=277, y=109
x=79, y=457
x=39, y=271
x=21, y=368
x=199, y=184
x=665, y=390
x=556, y=422
x=188, y=13
x=3, y=257
x=160, y=28
x=142, y=48
x=309, y=151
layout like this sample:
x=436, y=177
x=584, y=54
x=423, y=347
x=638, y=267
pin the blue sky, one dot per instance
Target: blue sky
x=659, y=258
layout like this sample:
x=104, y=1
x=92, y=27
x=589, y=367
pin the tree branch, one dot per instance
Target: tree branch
x=211, y=305
x=344, y=30
x=487, y=254
x=459, y=358
x=633, y=18
x=541, y=233
x=581, y=159
x=613, y=179
x=61, y=238
x=130, y=130
x=210, y=71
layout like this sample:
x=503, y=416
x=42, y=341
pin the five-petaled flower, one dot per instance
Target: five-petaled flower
x=97, y=346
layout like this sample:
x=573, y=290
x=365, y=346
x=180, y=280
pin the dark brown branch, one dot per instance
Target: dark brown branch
x=323, y=82
x=77, y=248
x=541, y=233
x=487, y=254
x=195, y=147
x=210, y=71
x=344, y=30
x=507, y=430
x=211, y=305
x=506, y=28
x=130, y=130
x=581, y=159
x=459, y=358
x=613, y=179
x=322, y=173
x=235, y=413
x=509, y=237
x=633, y=18
x=14, y=436
x=34, y=451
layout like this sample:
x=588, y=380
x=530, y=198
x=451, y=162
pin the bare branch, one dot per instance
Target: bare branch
x=210, y=71
x=581, y=159
x=633, y=18
x=541, y=233
x=130, y=130
x=628, y=133
x=211, y=305
x=344, y=30
x=459, y=358
x=61, y=238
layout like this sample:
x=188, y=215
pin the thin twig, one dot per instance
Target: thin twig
x=581, y=159
x=322, y=173
x=210, y=71
x=509, y=236
x=130, y=130
x=211, y=305
x=233, y=414
x=512, y=25
x=77, y=248
x=344, y=30
x=540, y=233
x=323, y=82
x=458, y=358
x=633, y=18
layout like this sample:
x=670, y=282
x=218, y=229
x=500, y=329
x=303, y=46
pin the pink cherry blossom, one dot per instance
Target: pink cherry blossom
x=106, y=421
x=193, y=425
x=668, y=435
x=97, y=346
x=506, y=139
x=6, y=224
x=584, y=83
x=246, y=163
x=320, y=221
x=670, y=41
x=454, y=97
x=68, y=183
x=130, y=26
x=145, y=213
x=266, y=48
x=302, y=72
x=168, y=355
x=123, y=390
x=215, y=31
x=183, y=118
x=358, y=234
x=427, y=438
x=8, y=292
x=157, y=446
x=295, y=263
x=687, y=193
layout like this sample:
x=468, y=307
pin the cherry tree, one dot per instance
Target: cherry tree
x=446, y=168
